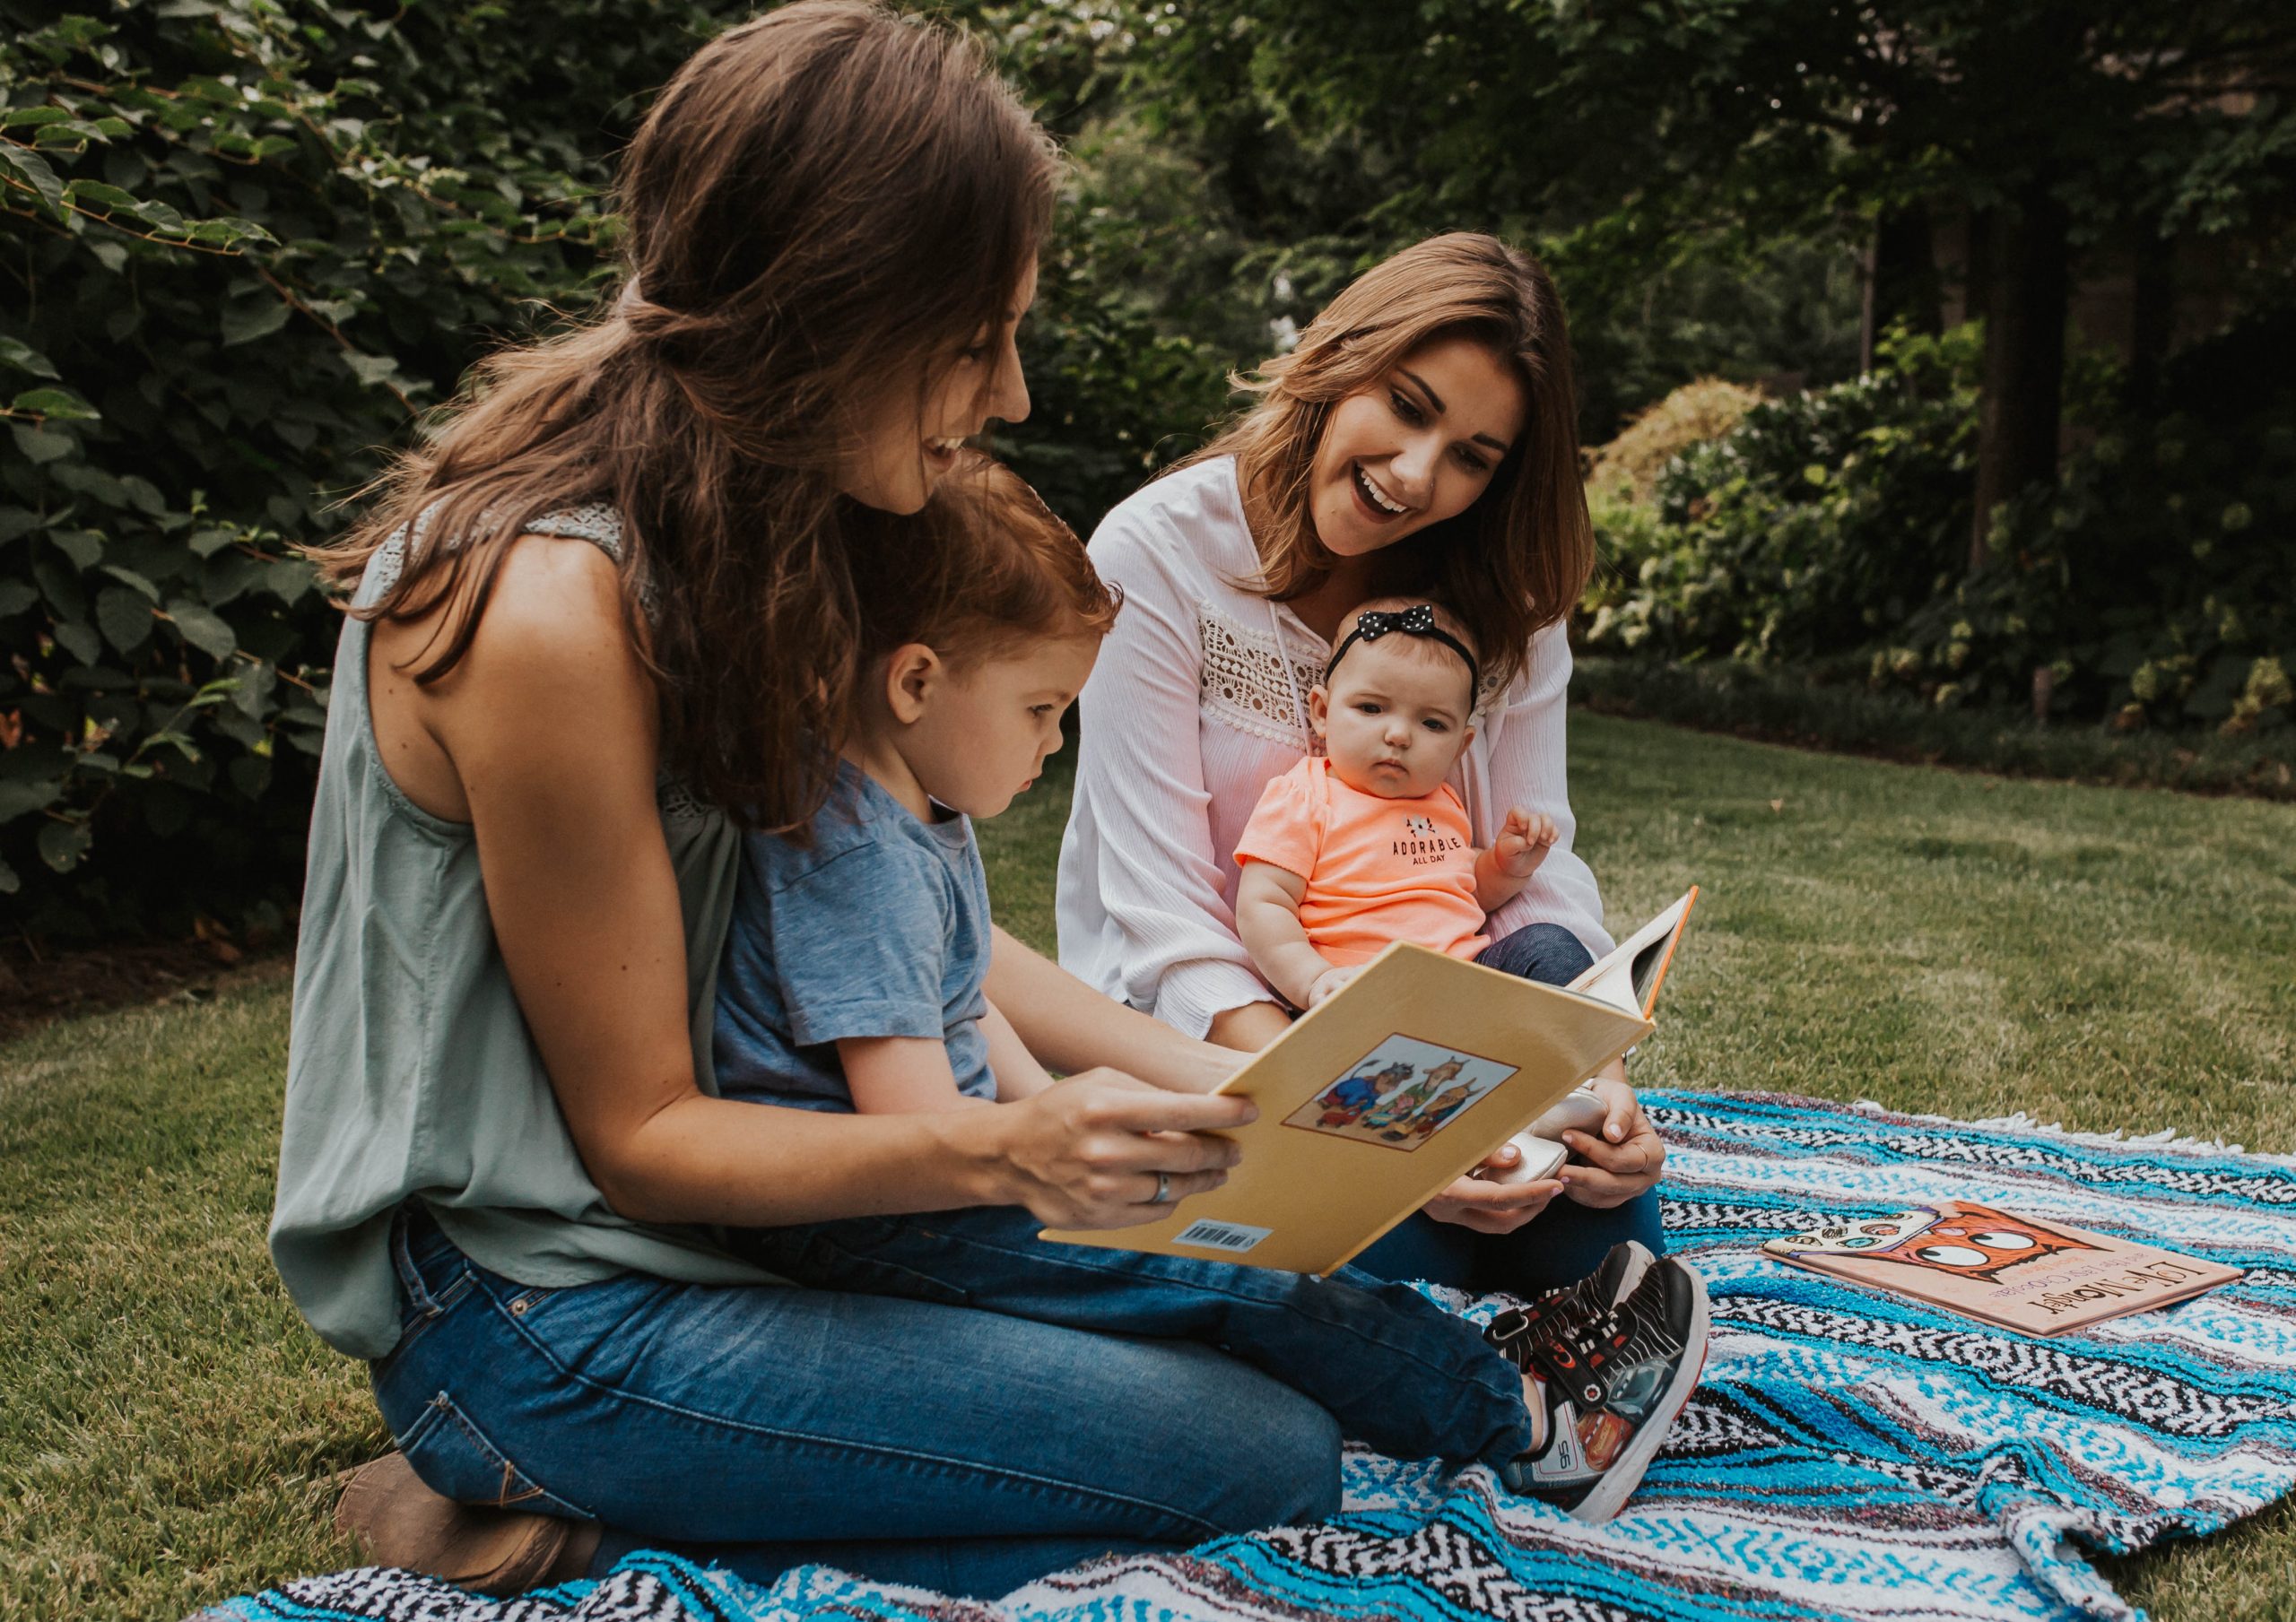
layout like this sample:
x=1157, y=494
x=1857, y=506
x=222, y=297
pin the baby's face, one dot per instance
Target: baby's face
x=1394, y=717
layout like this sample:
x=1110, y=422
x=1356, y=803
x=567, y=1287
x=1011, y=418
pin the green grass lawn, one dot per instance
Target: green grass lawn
x=170, y=1433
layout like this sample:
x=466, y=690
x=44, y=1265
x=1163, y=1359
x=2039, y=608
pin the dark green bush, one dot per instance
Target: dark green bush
x=2155, y=585
x=249, y=240
x=1122, y=383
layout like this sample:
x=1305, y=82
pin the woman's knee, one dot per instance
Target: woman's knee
x=1237, y=1448
x=1547, y=954
x=1565, y=1243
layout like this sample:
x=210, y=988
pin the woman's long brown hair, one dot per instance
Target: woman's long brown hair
x=1513, y=563
x=825, y=202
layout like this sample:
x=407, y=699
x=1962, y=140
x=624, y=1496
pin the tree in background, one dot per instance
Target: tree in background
x=2055, y=127
x=249, y=242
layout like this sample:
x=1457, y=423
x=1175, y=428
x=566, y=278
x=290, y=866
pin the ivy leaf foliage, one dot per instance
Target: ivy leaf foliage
x=247, y=240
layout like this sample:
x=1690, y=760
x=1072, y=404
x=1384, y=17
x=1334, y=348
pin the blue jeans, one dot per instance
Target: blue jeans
x=1394, y=1369
x=768, y=1428
x=911, y=1440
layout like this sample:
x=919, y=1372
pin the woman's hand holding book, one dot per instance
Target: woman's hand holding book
x=1105, y=1149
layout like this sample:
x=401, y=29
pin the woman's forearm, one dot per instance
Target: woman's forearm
x=738, y=1164
x=1070, y=1027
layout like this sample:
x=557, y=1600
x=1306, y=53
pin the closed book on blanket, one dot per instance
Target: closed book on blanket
x=2012, y=1271
x=1402, y=1081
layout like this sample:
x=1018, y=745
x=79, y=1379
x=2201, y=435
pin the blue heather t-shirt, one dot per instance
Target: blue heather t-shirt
x=879, y=928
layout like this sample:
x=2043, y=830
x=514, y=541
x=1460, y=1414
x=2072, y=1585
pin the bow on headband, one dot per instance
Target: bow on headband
x=1417, y=621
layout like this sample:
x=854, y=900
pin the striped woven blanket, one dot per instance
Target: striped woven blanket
x=1848, y=1455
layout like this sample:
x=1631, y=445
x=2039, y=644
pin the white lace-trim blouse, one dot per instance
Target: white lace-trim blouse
x=1199, y=699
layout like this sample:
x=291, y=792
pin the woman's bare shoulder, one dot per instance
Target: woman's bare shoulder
x=554, y=593
x=551, y=655
x=553, y=611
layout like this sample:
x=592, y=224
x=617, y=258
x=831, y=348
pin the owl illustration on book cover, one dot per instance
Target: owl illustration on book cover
x=1964, y=1240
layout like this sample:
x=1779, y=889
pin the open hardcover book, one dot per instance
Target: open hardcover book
x=1398, y=1083
x=2015, y=1272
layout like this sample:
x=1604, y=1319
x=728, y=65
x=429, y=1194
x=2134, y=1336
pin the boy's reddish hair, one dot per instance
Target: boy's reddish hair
x=983, y=568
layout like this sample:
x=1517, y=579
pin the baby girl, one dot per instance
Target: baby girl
x=1366, y=844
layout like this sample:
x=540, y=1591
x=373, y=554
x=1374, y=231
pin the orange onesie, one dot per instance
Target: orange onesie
x=1378, y=870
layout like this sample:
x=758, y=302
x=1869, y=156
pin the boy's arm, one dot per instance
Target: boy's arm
x=899, y=1075
x=1018, y=1074
x=1073, y=1027
x=1501, y=871
x=1267, y=919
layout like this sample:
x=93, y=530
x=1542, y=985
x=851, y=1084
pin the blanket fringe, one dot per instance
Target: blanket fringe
x=2166, y=1138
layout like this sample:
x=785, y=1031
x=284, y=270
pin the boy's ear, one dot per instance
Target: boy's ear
x=1318, y=710
x=913, y=674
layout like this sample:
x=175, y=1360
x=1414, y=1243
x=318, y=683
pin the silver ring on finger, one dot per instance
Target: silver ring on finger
x=1163, y=1194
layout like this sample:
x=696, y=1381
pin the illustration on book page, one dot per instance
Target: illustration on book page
x=1401, y=1094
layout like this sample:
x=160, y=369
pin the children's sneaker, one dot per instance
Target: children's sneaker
x=1616, y=1378
x=1612, y=1281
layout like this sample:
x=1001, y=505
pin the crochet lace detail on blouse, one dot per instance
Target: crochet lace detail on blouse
x=678, y=803
x=1251, y=684
x=1243, y=682
x=596, y=523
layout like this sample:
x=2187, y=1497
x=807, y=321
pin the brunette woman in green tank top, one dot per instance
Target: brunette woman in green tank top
x=603, y=620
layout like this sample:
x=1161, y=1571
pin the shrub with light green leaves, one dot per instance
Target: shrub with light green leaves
x=1815, y=523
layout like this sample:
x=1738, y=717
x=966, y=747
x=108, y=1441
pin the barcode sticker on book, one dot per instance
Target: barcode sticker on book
x=1221, y=1236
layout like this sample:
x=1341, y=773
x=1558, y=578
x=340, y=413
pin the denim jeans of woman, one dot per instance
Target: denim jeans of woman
x=907, y=1440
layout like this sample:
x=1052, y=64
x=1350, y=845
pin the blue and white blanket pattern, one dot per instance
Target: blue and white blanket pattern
x=1848, y=1454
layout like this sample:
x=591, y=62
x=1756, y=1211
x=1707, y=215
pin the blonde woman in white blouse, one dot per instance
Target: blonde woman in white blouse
x=1420, y=438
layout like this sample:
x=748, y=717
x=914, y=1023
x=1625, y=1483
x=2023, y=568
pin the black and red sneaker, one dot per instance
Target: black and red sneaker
x=1616, y=1378
x=1614, y=1280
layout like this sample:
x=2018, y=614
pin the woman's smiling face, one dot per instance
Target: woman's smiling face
x=1416, y=448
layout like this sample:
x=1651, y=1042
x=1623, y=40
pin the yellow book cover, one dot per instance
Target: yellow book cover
x=1402, y=1081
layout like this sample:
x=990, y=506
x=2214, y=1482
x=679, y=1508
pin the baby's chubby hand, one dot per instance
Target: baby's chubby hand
x=1523, y=842
x=1328, y=982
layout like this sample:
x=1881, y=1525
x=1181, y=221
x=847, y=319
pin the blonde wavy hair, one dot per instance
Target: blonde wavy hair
x=1515, y=561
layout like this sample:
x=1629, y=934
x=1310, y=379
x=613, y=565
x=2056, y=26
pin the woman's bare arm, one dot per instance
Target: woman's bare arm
x=549, y=725
x=1250, y=1028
